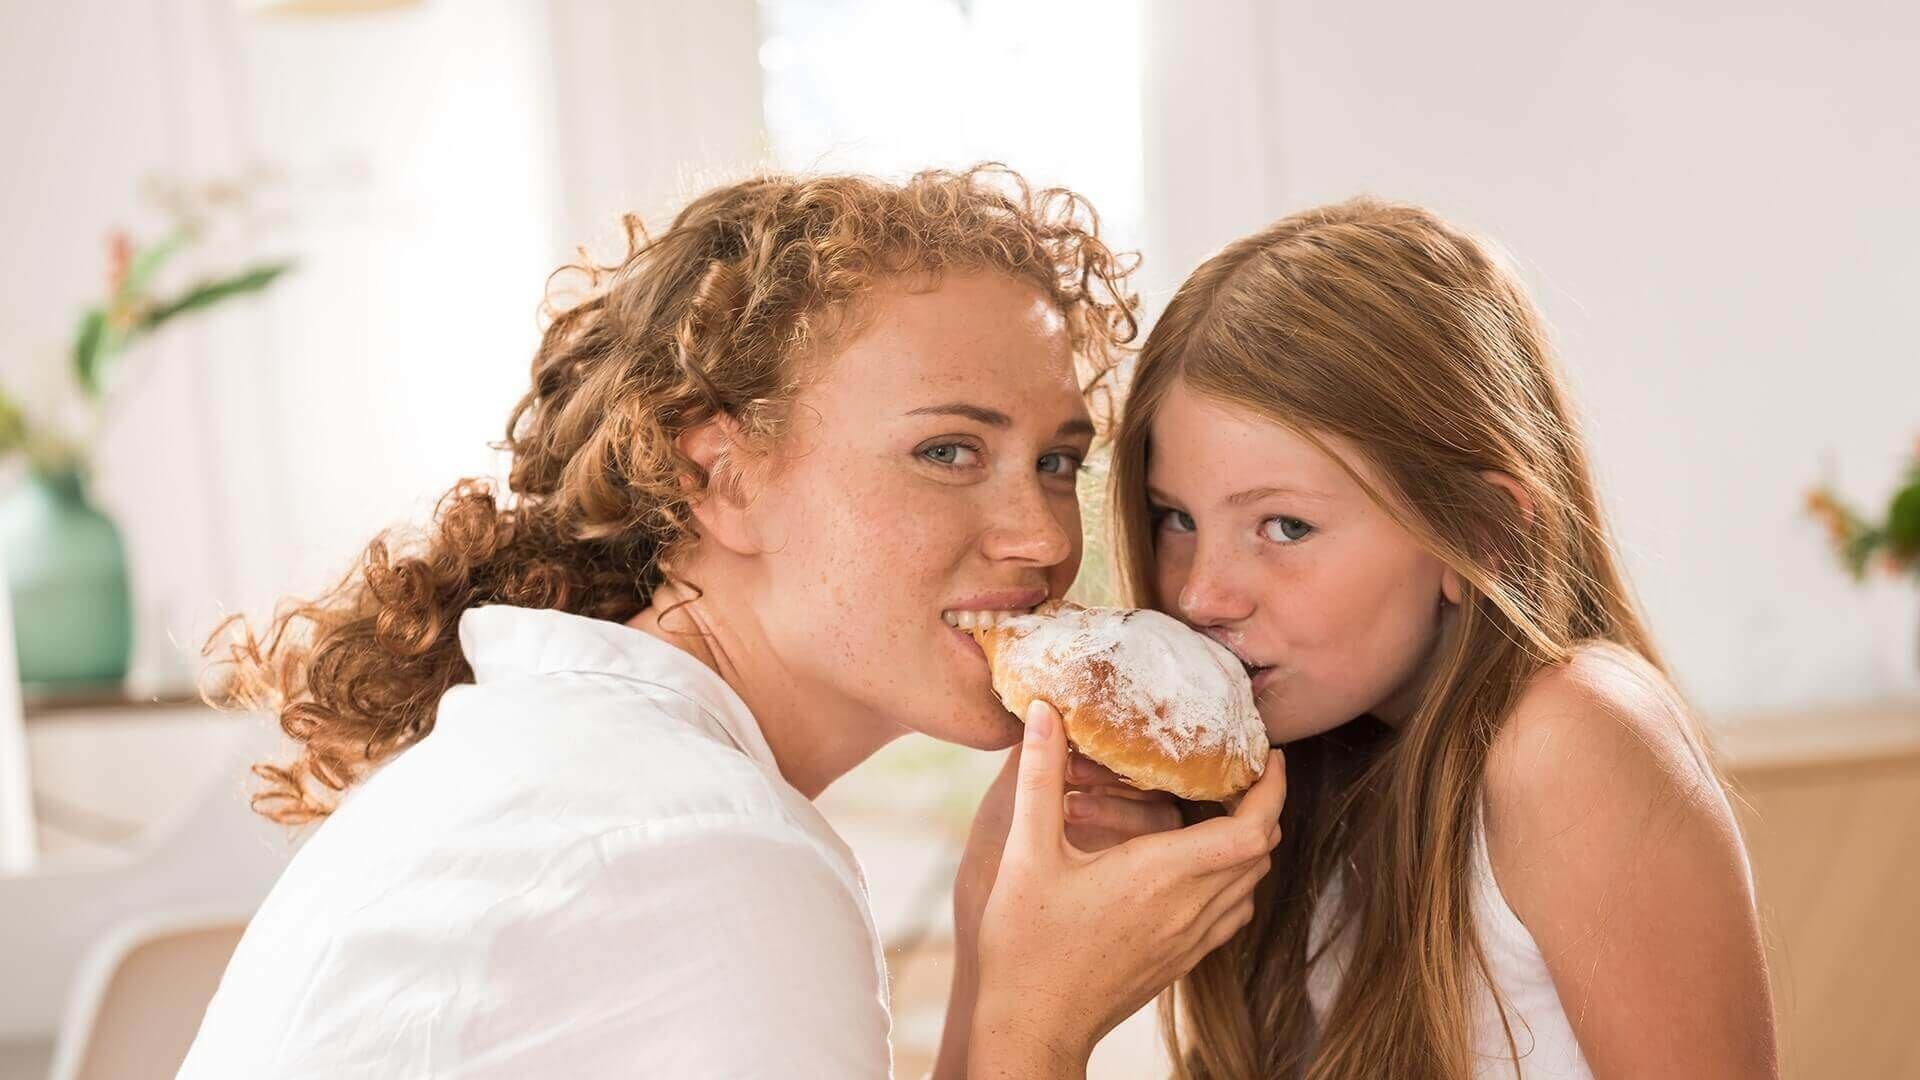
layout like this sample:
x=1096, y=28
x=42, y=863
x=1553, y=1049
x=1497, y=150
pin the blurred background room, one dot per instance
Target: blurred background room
x=273, y=272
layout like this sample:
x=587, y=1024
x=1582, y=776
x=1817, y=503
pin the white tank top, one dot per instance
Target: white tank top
x=1541, y=1034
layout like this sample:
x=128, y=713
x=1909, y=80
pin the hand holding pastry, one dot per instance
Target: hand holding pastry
x=1071, y=943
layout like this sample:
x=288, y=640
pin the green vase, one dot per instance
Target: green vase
x=67, y=578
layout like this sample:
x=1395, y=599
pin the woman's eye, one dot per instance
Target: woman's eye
x=955, y=454
x=1285, y=530
x=1176, y=521
x=1060, y=464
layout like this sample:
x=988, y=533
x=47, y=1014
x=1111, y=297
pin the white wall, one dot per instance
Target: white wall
x=655, y=100
x=440, y=160
x=1714, y=207
x=1716, y=210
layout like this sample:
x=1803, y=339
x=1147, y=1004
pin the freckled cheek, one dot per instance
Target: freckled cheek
x=882, y=547
x=1170, y=570
x=1390, y=624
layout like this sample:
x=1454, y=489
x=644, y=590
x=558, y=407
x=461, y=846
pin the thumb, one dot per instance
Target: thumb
x=1039, y=791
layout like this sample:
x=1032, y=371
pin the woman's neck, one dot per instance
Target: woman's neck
x=815, y=740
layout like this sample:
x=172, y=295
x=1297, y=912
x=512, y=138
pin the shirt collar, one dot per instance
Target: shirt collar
x=502, y=642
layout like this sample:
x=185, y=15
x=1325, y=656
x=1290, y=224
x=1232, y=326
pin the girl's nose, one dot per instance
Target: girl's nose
x=1211, y=595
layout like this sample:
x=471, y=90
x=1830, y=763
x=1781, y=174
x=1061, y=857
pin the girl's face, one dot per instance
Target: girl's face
x=929, y=468
x=1263, y=542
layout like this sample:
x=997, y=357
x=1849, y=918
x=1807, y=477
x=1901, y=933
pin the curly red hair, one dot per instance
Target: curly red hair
x=709, y=317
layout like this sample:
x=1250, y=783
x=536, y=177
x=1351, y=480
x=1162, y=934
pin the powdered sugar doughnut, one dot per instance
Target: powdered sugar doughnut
x=1162, y=706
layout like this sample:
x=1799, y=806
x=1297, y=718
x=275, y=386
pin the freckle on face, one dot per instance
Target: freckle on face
x=1348, y=615
x=875, y=547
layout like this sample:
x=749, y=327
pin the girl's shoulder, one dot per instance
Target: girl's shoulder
x=1613, y=842
x=1599, y=776
x=1601, y=727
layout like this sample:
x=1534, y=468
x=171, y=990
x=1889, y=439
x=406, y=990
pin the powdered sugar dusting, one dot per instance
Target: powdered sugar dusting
x=1191, y=690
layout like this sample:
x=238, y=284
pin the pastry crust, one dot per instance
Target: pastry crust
x=1162, y=706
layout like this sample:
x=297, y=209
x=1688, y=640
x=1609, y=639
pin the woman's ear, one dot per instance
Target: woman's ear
x=723, y=507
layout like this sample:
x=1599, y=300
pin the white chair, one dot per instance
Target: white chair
x=139, y=995
x=215, y=859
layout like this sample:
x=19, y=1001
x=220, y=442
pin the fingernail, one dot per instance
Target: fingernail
x=1076, y=767
x=1077, y=808
x=1039, y=722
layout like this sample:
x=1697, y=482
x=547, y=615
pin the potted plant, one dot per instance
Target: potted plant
x=1888, y=541
x=65, y=564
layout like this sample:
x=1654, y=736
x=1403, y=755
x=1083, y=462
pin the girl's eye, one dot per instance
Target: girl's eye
x=1060, y=464
x=958, y=455
x=1175, y=521
x=1285, y=530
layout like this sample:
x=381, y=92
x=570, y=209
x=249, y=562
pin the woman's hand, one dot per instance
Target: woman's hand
x=1073, y=942
x=1101, y=810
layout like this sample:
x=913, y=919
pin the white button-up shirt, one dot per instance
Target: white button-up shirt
x=591, y=867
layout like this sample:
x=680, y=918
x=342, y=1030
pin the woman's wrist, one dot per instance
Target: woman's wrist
x=1022, y=1037
x=951, y=1061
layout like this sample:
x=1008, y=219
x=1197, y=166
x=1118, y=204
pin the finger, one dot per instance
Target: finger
x=1132, y=817
x=1263, y=800
x=1085, y=771
x=1239, y=886
x=1234, y=893
x=1094, y=841
x=1234, y=920
x=1248, y=833
x=1040, y=790
x=1123, y=790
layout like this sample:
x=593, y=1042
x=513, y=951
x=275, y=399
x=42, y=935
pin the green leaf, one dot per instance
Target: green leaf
x=90, y=348
x=145, y=265
x=1903, y=518
x=13, y=424
x=1859, y=549
x=212, y=292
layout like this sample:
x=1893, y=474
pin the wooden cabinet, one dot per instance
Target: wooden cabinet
x=1830, y=805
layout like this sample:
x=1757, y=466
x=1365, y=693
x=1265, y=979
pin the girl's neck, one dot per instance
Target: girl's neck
x=815, y=738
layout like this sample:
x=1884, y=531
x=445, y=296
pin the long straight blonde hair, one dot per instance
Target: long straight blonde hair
x=1384, y=326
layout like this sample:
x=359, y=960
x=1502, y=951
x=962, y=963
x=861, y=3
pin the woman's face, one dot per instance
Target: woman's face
x=929, y=468
x=1266, y=544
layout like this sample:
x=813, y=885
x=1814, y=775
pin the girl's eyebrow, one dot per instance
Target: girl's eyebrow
x=1242, y=498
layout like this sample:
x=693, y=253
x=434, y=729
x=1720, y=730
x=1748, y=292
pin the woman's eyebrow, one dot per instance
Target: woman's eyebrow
x=978, y=413
x=996, y=418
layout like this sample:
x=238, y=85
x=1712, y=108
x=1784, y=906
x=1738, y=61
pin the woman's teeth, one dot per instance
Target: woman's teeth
x=978, y=620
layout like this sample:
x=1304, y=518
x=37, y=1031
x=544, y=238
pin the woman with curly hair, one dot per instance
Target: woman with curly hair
x=565, y=742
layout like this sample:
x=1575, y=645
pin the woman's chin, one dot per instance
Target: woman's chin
x=985, y=726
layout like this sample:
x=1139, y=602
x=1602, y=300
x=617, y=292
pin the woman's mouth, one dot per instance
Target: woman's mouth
x=965, y=619
x=980, y=618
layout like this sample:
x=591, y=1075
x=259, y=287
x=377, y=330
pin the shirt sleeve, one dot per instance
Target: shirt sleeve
x=727, y=948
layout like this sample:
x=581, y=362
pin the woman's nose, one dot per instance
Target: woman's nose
x=1027, y=528
x=1211, y=595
